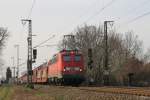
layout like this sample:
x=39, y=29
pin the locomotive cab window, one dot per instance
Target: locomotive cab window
x=66, y=58
x=53, y=60
x=77, y=58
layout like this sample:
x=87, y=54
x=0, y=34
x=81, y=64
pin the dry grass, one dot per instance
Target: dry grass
x=67, y=93
x=6, y=92
x=71, y=93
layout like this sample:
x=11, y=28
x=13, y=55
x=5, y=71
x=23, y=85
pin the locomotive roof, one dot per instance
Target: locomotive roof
x=70, y=51
x=75, y=50
x=66, y=51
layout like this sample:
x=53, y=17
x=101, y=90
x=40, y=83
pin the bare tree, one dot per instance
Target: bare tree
x=3, y=37
x=146, y=57
x=130, y=55
x=121, y=50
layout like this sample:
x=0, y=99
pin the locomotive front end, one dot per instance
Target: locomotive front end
x=73, y=67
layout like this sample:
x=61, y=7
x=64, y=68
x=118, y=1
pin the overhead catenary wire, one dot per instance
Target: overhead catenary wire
x=47, y=45
x=136, y=18
x=100, y=11
x=97, y=13
x=83, y=14
x=31, y=9
x=29, y=17
x=139, y=17
x=142, y=4
x=29, y=14
x=135, y=9
x=44, y=41
x=88, y=9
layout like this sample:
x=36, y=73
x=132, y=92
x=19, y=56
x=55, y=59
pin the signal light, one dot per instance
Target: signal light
x=34, y=53
x=90, y=52
x=30, y=72
x=90, y=61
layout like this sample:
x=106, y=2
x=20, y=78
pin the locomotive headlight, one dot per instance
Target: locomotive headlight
x=80, y=70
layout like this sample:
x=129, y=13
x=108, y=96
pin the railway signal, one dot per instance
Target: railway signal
x=130, y=79
x=90, y=52
x=90, y=61
x=34, y=53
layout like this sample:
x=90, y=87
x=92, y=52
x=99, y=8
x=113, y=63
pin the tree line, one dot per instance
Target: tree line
x=128, y=65
x=4, y=34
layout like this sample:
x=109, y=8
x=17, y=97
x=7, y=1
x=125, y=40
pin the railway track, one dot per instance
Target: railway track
x=127, y=91
x=138, y=91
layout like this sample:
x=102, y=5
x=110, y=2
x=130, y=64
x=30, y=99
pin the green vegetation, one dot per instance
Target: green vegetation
x=6, y=92
x=60, y=97
x=26, y=89
x=40, y=94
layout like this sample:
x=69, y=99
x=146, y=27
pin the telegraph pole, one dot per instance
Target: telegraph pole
x=106, y=68
x=13, y=67
x=29, y=60
x=17, y=46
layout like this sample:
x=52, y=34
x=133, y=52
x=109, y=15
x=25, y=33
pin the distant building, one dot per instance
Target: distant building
x=8, y=74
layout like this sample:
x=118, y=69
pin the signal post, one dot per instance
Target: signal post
x=29, y=60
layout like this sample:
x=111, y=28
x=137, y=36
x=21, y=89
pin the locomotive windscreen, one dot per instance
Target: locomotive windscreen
x=67, y=58
x=77, y=58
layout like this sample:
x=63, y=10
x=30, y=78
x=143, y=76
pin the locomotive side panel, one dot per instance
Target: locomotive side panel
x=53, y=67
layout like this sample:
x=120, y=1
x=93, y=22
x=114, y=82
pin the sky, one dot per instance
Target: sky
x=58, y=17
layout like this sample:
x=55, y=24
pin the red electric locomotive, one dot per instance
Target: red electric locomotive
x=66, y=67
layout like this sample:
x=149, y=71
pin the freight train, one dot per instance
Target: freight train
x=65, y=68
